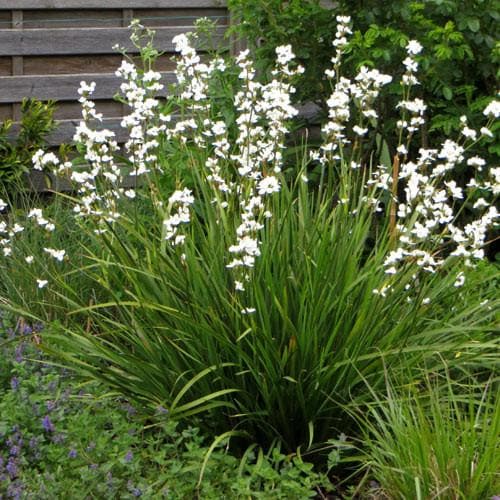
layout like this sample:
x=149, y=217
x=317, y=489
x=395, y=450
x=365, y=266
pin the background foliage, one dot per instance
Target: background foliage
x=16, y=150
x=459, y=64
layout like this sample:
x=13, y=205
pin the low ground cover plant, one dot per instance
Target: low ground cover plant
x=260, y=296
x=60, y=435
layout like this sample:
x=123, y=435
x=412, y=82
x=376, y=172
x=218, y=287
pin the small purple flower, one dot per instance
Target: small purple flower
x=72, y=453
x=136, y=492
x=47, y=424
x=14, y=451
x=129, y=456
x=14, y=383
x=12, y=468
x=19, y=352
x=58, y=438
x=130, y=409
x=15, y=490
x=26, y=330
x=50, y=405
x=93, y=466
x=33, y=443
x=161, y=410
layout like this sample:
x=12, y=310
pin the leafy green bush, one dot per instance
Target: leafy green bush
x=16, y=152
x=459, y=61
x=252, y=298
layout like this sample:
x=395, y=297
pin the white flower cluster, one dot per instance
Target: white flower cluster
x=142, y=122
x=427, y=230
x=362, y=93
x=178, y=210
x=7, y=233
x=100, y=148
x=415, y=108
x=263, y=113
x=42, y=160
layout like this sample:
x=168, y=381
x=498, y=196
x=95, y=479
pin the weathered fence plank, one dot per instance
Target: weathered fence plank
x=83, y=40
x=108, y=4
x=64, y=87
x=47, y=47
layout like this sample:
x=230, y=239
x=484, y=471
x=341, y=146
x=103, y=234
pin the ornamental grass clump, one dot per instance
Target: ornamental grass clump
x=435, y=440
x=263, y=296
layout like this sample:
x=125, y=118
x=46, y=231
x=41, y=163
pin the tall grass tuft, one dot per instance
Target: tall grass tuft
x=438, y=439
x=260, y=297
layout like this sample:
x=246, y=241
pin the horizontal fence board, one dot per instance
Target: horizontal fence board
x=73, y=110
x=39, y=19
x=108, y=4
x=66, y=130
x=16, y=42
x=70, y=65
x=64, y=87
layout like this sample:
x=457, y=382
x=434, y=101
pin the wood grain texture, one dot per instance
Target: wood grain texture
x=108, y=4
x=73, y=110
x=67, y=65
x=64, y=87
x=5, y=66
x=62, y=18
x=67, y=41
x=179, y=17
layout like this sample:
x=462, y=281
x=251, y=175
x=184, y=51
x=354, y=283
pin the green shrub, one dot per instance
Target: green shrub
x=459, y=61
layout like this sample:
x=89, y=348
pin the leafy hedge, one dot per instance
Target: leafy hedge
x=459, y=64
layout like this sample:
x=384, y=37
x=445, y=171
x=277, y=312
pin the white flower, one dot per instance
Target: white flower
x=268, y=185
x=86, y=88
x=41, y=283
x=57, y=254
x=492, y=110
x=248, y=310
x=29, y=259
x=476, y=161
x=359, y=131
x=284, y=54
x=460, y=280
x=413, y=47
x=486, y=131
x=3, y=205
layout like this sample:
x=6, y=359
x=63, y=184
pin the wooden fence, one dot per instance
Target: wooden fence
x=48, y=46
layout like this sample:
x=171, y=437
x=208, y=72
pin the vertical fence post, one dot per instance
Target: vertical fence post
x=17, y=61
